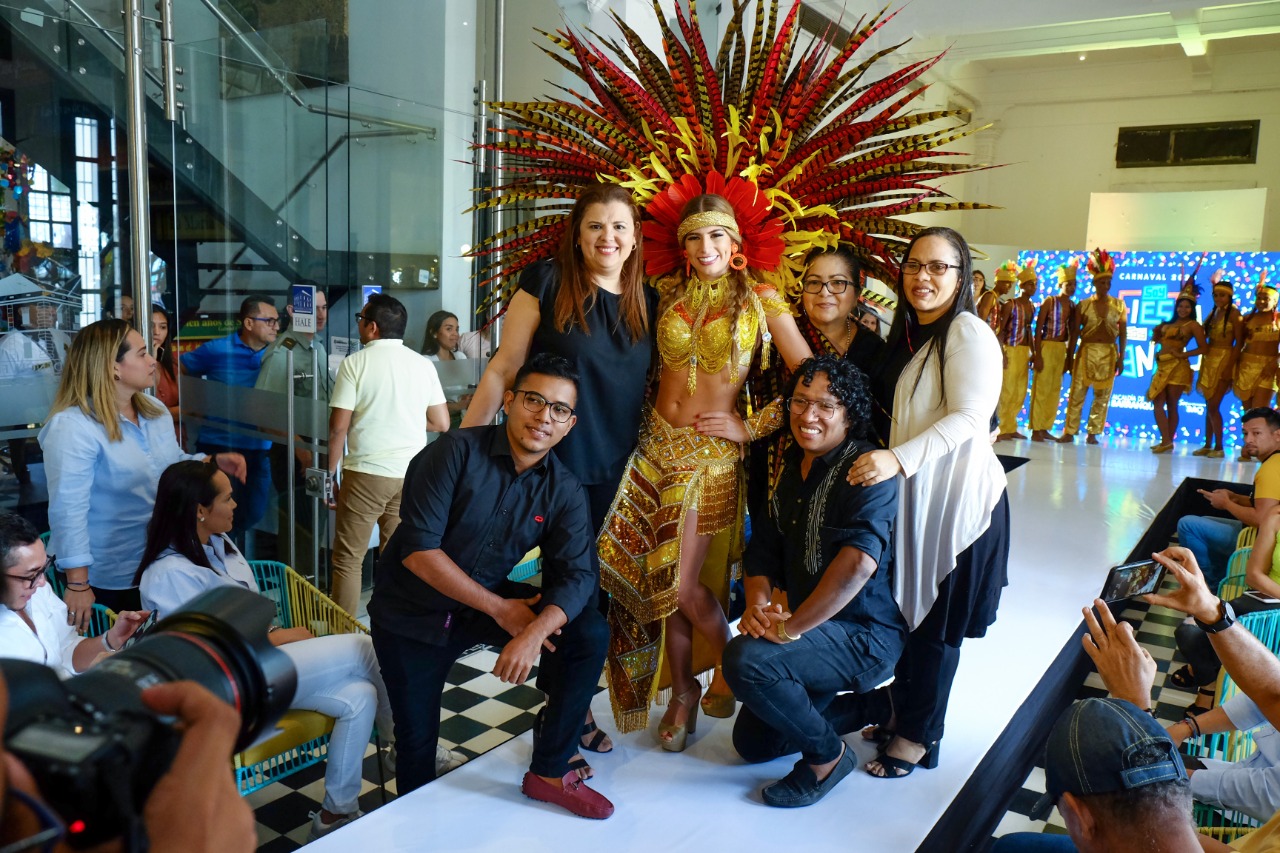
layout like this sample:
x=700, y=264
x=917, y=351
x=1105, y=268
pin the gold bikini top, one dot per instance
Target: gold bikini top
x=698, y=331
x=1267, y=330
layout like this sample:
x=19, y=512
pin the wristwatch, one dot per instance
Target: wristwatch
x=1226, y=618
x=782, y=633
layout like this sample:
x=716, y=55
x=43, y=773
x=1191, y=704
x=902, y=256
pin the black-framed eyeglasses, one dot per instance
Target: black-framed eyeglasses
x=32, y=580
x=535, y=402
x=359, y=317
x=799, y=405
x=934, y=267
x=270, y=321
x=835, y=286
x=52, y=830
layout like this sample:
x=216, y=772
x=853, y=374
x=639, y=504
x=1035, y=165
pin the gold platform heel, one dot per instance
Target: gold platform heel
x=720, y=705
x=677, y=737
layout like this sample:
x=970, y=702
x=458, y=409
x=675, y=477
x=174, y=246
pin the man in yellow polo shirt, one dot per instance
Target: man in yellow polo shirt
x=384, y=401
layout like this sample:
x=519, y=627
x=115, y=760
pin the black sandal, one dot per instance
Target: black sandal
x=1194, y=710
x=1183, y=678
x=595, y=738
x=898, y=768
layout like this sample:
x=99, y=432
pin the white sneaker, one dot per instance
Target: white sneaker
x=447, y=759
x=319, y=828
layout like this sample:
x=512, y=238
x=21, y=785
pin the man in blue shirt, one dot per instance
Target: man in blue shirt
x=235, y=360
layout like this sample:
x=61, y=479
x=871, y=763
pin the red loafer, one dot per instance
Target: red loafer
x=572, y=794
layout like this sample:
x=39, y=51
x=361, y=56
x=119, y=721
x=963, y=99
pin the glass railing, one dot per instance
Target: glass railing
x=278, y=171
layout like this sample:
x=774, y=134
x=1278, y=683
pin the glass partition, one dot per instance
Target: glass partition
x=279, y=170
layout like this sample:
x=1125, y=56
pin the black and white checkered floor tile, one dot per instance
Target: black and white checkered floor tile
x=1153, y=627
x=478, y=713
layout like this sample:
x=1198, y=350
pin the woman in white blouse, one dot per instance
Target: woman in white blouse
x=187, y=552
x=943, y=376
x=33, y=621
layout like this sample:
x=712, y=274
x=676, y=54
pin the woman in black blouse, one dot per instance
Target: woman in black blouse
x=589, y=304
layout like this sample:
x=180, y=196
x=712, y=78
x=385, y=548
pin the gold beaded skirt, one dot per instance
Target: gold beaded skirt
x=1255, y=372
x=1170, y=370
x=673, y=470
x=1212, y=373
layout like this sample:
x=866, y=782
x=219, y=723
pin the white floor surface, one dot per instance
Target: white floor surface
x=1076, y=511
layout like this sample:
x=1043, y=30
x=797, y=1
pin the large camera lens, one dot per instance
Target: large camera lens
x=219, y=640
x=96, y=751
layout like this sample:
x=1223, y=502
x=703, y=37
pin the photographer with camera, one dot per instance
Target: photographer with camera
x=33, y=620
x=188, y=552
x=194, y=808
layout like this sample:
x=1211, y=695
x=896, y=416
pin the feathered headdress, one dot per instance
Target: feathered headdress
x=1190, y=288
x=807, y=145
x=1028, y=272
x=1262, y=282
x=1101, y=264
x=1008, y=271
x=1067, y=272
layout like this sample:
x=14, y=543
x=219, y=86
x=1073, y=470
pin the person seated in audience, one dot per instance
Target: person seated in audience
x=1252, y=785
x=442, y=584
x=33, y=620
x=1262, y=574
x=188, y=551
x=829, y=545
x=1138, y=816
x=1213, y=540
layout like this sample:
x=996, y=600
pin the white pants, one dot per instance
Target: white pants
x=338, y=676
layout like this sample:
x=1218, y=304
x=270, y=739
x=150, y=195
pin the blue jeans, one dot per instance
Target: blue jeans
x=415, y=672
x=1034, y=842
x=789, y=687
x=1212, y=541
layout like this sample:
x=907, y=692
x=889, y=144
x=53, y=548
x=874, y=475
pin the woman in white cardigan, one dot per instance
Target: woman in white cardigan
x=943, y=376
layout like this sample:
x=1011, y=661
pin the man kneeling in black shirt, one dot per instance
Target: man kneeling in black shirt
x=829, y=546
x=474, y=503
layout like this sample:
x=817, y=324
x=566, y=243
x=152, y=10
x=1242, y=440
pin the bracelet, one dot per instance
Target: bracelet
x=106, y=645
x=782, y=633
x=77, y=584
x=765, y=421
x=1193, y=725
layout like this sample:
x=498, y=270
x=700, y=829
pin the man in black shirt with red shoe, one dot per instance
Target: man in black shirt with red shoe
x=474, y=502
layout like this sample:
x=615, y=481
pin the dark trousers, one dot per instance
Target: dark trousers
x=788, y=689
x=118, y=600
x=922, y=686
x=251, y=495
x=1196, y=648
x=415, y=673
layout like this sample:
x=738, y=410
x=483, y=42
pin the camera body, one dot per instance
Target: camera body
x=96, y=751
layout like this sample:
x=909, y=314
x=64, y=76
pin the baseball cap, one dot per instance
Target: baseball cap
x=1094, y=748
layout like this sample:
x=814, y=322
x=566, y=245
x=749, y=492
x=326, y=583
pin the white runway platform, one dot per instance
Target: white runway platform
x=1076, y=510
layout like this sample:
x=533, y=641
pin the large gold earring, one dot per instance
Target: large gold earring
x=738, y=261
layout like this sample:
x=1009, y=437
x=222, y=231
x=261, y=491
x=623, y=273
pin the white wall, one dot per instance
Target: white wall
x=1057, y=120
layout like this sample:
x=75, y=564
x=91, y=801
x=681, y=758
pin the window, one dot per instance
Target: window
x=1209, y=144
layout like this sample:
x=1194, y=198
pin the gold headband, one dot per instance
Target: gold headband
x=702, y=220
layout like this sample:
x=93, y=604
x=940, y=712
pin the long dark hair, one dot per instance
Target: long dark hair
x=184, y=486
x=1226, y=315
x=164, y=352
x=577, y=293
x=430, y=345
x=905, y=321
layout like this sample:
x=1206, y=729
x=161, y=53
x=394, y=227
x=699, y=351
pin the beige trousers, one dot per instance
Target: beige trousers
x=363, y=500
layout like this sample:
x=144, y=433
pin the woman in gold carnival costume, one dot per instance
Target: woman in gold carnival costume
x=683, y=484
x=1225, y=331
x=810, y=148
x=1255, y=376
x=1173, y=363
